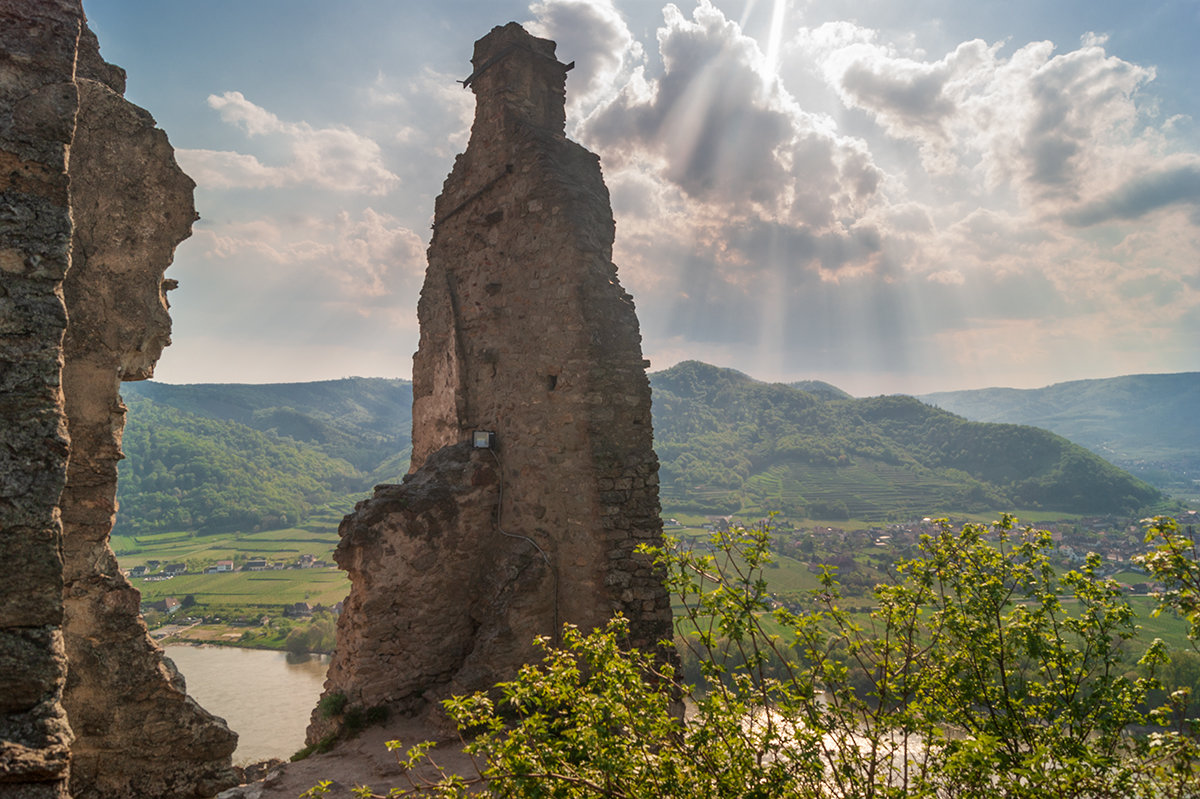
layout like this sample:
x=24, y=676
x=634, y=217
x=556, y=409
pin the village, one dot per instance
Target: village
x=860, y=557
x=155, y=570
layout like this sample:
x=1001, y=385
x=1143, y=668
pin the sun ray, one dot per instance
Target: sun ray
x=746, y=12
x=775, y=37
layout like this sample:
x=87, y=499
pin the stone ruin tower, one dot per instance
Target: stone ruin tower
x=526, y=334
x=92, y=205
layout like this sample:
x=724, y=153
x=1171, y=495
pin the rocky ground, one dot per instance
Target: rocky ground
x=363, y=760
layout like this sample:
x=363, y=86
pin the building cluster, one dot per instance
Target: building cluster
x=154, y=570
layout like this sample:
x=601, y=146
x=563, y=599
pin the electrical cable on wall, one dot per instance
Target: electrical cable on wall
x=500, y=529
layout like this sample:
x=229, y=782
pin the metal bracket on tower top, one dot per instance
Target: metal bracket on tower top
x=466, y=84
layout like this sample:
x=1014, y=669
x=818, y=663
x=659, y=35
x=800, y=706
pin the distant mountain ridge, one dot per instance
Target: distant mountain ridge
x=1148, y=424
x=728, y=442
x=219, y=457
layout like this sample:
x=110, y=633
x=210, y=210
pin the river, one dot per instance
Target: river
x=265, y=696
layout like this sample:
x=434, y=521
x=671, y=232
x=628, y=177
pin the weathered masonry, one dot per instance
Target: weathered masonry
x=533, y=474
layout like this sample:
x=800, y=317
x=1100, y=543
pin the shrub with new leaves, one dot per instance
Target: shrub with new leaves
x=979, y=672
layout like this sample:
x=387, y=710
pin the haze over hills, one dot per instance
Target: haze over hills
x=219, y=457
x=1146, y=424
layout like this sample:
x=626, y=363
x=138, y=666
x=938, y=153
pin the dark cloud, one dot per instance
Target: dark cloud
x=797, y=250
x=914, y=96
x=797, y=253
x=820, y=320
x=1073, y=99
x=708, y=308
x=1141, y=195
x=592, y=34
x=710, y=117
x=768, y=286
x=1050, y=159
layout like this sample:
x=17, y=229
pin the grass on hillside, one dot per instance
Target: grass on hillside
x=1169, y=626
x=871, y=490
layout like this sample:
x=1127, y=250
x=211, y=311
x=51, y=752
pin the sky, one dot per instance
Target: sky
x=890, y=197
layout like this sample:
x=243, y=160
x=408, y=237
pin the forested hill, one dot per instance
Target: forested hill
x=218, y=457
x=1147, y=424
x=727, y=441
x=363, y=420
x=234, y=457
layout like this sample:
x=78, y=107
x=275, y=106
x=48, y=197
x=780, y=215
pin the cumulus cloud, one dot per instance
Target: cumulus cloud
x=846, y=203
x=594, y=35
x=373, y=253
x=1040, y=124
x=365, y=257
x=223, y=169
x=719, y=126
x=735, y=205
x=1078, y=104
x=335, y=158
x=749, y=214
x=431, y=112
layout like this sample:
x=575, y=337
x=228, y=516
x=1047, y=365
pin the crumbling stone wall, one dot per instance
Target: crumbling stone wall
x=92, y=205
x=38, y=102
x=527, y=333
x=137, y=732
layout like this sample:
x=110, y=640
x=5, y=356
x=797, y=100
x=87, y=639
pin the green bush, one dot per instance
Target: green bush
x=979, y=672
x=331, y=705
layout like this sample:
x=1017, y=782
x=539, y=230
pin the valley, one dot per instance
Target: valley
x=246, y=474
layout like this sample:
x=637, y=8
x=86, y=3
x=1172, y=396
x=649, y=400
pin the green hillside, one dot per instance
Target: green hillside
x=1146, y=424
x=217, y=458
x=728, y=442
x=364, y=421
x=228, y=458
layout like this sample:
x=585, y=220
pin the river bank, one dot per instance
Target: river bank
x=266, y=696
x=313, y=637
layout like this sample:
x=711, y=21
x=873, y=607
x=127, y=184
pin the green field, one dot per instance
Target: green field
x=243, y=589
x=316, y=537
x=240, y=591
x=871, y=491
x=1167, y=626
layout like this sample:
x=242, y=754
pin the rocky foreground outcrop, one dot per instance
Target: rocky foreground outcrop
x=38, y=102
x=137, y=732
x=527, y=334
x=92, y=205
